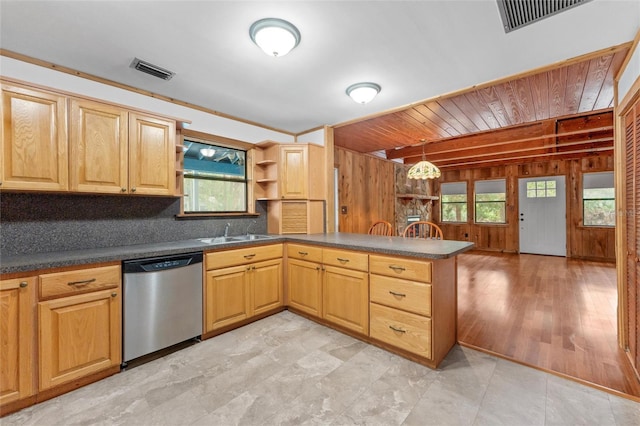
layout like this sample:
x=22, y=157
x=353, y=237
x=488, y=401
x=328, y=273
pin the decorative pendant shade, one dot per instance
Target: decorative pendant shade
x=423, y=169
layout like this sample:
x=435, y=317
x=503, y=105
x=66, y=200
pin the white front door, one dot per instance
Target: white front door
x=542, y=216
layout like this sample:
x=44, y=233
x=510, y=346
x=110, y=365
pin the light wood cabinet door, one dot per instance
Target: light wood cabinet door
x=151, y=155
x=227, y=297
x=34, y=152
x=266, y=286
x=305, y=286
x=17, y=334
x=79, y=335
x=294, y=176
x=98, y=147
x=346, y=298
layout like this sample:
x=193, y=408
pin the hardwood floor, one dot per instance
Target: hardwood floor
x=550, y=312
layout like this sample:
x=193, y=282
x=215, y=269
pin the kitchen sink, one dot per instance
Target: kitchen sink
x=217, y=240
x=234, y=239
x=251, y=237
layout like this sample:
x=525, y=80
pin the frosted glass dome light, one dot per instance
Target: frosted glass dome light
x=276, y=37
x=363, y=93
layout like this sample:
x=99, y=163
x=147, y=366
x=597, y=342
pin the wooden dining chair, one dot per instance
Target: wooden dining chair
x=423, y=229
x=381, y=227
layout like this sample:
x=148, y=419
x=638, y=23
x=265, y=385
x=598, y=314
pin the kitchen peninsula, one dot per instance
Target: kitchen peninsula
x=396, y=293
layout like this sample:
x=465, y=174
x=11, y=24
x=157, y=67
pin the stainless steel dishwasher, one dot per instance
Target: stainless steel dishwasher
x=162, y=303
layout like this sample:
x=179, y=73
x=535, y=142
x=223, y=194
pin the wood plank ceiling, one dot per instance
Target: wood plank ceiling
x=559, y=112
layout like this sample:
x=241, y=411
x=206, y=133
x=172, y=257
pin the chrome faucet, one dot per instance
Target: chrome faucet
x=226, y=229
x=253, y=222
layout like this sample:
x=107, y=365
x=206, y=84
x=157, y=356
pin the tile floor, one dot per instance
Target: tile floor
x=286, y=370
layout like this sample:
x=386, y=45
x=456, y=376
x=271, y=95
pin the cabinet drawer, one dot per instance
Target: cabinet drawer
x=345, y=259
x=302, y=252
x=407, y=295
x=72, y=282
x=222, y=259
x=401, y=329
x=417, y=270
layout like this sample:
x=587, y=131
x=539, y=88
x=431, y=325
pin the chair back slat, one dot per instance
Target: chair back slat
x=423, y=229
x=381, y=227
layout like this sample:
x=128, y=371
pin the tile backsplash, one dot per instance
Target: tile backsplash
x=32, y=223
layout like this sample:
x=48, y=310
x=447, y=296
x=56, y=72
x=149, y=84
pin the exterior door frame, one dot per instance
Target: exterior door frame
x=522, y=195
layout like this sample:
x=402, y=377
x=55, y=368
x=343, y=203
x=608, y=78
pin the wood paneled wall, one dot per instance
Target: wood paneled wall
x=365, y=188
x=582, y=242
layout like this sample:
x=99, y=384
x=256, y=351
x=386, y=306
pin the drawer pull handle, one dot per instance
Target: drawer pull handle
x=249, y=256
x=341, y=259
x=397, y=294
x=397, y=268
x=81, y=283
x=399, y=330
x=23, y=284
x=303, y=253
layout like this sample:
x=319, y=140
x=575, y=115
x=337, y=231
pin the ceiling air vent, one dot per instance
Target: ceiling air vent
x=518, y=13
x=151, y=69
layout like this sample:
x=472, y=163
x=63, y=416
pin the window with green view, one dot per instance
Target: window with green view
x=490, y=201
x=598, y=199
x=453, y=202
x=215, y=179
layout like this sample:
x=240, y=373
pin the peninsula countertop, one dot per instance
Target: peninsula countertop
x=419, y=248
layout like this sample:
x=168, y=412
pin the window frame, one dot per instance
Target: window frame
x=612, y=198
x=444, y=203
x=227, y=143
x=502, y=202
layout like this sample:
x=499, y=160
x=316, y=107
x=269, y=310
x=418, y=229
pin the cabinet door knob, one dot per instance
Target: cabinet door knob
x=23, y=284
x=123, y=189
x=133, y=189
x=114, y=294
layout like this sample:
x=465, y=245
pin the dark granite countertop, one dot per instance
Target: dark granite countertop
x=426, y=249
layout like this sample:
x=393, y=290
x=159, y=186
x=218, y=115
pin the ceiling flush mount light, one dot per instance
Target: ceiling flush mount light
x=207, y=152
x=363, y=93
x=274, y=36
x=423, y=169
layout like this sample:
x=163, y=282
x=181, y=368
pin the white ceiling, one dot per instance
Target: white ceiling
x=414, y=49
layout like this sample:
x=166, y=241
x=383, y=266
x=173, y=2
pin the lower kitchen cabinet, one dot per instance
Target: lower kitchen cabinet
x=305, y=286
x=80, y=326
x=241, y=284
x=266, y=286
x=346, y=298
x=227, y=300
x=17, y=335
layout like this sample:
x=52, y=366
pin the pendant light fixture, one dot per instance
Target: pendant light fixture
x=363, y=93
x=276, y=37
x=423, y=169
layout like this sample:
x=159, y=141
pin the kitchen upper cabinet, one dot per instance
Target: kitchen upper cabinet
x=285, y=172
x=17, y=334
x=34, y=140
x=107, y=150
x=98, y=147
x=151, y=155
x=80, y=326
